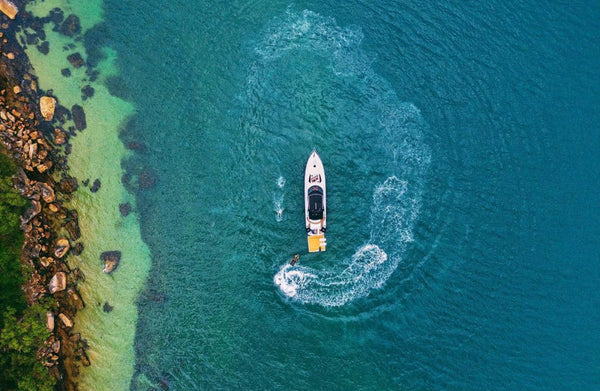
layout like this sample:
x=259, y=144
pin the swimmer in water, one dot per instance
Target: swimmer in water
x=295, y=259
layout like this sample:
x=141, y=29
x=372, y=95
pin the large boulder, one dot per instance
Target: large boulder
x=78, y=117
x=66, y=320
x=47, y=106
x=47, y=193
x=111, y=260
x=8, y=8
x=68, y=184
x=61, y=248
x=58, y=282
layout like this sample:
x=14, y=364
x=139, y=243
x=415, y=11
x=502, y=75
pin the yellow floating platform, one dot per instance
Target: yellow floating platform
x=316, y=243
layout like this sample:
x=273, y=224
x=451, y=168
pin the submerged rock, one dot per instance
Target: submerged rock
x=77, y=248
x=44, y=47
x=72, y=225
x=107, y=307
x=75, y=59
x=125, y=209
x=87, y=92
x=68, y=184
x=111, y=260
x=58, y=282
x=61, y=248
x=75, y=299
x=95, y=186
x=71, y=26
x=147, y=178
x=56, y=15
x=78, y=117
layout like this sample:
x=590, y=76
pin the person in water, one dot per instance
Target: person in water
x=295, y=259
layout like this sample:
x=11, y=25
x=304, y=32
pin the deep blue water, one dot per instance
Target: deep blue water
x=460, y=141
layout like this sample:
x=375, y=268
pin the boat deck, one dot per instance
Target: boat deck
x=316, y=243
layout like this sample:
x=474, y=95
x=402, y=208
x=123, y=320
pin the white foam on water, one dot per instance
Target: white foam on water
x=278, y=198
x=393, y=213
x=281, y=182
x=317, y=46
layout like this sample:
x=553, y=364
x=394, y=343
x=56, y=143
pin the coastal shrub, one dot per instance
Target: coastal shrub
x=20, y=340
x=11, y=240
x=22, y=328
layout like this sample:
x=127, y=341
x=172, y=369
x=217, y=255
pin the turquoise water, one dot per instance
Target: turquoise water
x=460, y=143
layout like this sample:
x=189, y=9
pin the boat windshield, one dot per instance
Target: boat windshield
x=315, y=203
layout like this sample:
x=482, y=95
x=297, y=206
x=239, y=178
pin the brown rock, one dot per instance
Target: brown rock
x=75, y=59
x=61, y=248
x=47, y=193
x=111, y=260
x=60, y=137
x=47, y=106
x=75, y=299
x=58, y=282
x=33, y=211
x=66, y=320
x=68, y=184
x=72, y=225
x=8, y=8
x=56, y=346
x=46, y=261
x=71, y=26
x=77, y=248
x=45, y=166
x=50, y=321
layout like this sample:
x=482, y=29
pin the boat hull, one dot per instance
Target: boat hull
x=315, y=202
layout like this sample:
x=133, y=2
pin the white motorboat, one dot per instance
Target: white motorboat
x=315, y=203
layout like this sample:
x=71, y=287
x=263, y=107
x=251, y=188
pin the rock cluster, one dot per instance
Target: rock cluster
x=32, y=133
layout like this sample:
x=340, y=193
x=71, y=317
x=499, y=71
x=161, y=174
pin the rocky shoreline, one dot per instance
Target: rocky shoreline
x=32, y=131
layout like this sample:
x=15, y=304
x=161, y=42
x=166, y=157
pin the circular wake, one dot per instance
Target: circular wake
x=312, y=76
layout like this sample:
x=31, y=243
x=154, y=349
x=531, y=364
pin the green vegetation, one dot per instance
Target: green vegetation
x=22, y=328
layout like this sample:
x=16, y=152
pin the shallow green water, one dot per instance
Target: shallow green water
x=97, y=153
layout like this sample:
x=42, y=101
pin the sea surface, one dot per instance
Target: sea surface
x=461, y=144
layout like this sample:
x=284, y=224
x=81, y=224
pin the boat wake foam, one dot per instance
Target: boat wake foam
x=278, y=198
x=393, y=214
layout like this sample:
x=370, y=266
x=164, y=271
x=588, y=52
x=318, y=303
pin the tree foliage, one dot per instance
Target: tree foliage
x=22, y=328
